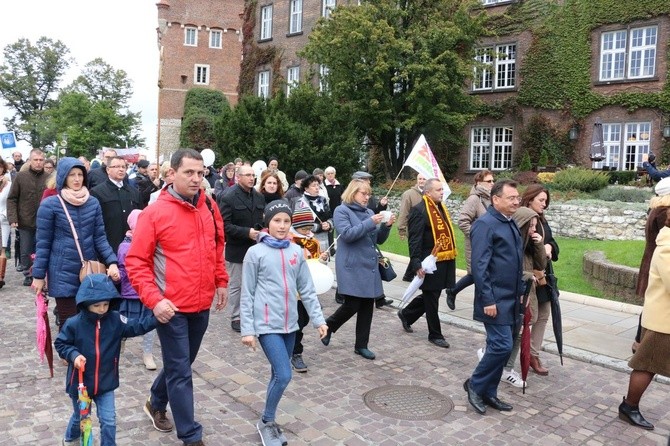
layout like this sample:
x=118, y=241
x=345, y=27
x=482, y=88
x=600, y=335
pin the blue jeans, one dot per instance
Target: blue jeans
x=278, y=348
x=180, y=338
x=486, y=377
x=104, y=407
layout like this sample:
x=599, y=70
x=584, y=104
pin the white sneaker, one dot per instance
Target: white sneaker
x=480, y=354
x=513, y=378
x=149, y=362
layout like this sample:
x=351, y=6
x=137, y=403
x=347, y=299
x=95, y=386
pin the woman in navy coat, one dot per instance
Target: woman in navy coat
x=57, y=256
x=356, y=264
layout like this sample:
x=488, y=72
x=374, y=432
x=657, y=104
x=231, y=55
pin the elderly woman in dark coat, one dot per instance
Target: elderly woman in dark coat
x=57, y=256
x=356, y=264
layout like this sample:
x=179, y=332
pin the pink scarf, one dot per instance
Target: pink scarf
x=75, y=197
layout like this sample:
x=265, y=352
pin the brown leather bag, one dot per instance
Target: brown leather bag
x=540, y=276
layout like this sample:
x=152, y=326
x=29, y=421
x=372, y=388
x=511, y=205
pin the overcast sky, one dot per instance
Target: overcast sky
x=122, y=33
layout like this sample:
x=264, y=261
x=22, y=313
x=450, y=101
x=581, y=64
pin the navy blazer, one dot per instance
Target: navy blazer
x=497, y=267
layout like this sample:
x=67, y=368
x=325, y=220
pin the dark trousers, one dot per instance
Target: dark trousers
x=486, y=377
x=463, y=283
x=66, y=307
x=303, y=320
x=427, y=302
x=27, y=247
x=180, y=338
x=360, y=306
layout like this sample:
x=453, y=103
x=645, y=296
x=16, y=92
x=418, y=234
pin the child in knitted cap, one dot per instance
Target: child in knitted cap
x=131, y=306
x=302, y=223
x=274, y=272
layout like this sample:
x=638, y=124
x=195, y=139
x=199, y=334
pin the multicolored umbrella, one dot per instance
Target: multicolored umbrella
x=84, y=401
x=43, y=331
x=524, y=350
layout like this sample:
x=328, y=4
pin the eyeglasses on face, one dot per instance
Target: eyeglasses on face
x=365, y=194
x=515, y=198
x=247, y=175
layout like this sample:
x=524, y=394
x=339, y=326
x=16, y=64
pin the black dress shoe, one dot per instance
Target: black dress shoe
x=383, y=301
x=497, y=404
x=364, y=352
x=632, y=415
x=405, y=325
x=235, y=325
x=439, y=342
x=451, y=299
x=474, y=399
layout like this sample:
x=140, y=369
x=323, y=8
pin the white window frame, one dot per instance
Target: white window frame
x=491, y=147
x=295, y=17
x=201, y=74
x=628, y=53
x=328, y=6
x=266, y=22
x=499, y=58
x=323, y=75
x=190, y=36
x=292, y=79
x=626, y=145
x=215, y=38
x=264, y=84
x=494, y=2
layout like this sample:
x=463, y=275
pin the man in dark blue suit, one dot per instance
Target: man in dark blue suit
x=497, y=268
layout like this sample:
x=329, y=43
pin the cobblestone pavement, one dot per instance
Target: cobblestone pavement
x=575, y=405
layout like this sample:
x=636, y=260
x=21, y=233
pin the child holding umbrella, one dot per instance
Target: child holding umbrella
x=91, y=341
x=274, y=272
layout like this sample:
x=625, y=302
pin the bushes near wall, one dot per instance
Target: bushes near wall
x=624, y=194
x=585, y=180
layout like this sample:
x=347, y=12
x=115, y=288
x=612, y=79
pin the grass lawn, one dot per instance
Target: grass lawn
x=568, y=269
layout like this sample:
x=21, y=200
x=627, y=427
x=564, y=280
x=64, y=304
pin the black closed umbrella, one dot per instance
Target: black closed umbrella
x=597, y=152
x=556, y=318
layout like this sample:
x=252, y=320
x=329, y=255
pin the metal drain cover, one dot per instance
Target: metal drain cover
x=408, y=402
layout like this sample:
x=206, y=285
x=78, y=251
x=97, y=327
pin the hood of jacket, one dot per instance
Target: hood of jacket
x=95, y=288
x=522, y=216
x=65, y=165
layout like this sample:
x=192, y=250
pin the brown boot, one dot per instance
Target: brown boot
x=3, y=268
x=536, y=365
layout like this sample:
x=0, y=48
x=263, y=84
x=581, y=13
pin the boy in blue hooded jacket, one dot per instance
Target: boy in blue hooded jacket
x=91, y=340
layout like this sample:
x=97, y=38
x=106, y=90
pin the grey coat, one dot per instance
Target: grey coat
x=473, y=207
x=356, y=262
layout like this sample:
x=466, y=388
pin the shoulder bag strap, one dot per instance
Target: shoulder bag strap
x=74, y=232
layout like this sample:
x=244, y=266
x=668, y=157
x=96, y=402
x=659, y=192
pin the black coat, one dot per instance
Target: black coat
x=96, y=176
x=240, y=211
x=421, y=243
x=116, y=204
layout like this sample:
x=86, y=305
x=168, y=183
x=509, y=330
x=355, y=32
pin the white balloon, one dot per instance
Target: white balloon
x=208, y=157
x=322, y=276
x=259, y=167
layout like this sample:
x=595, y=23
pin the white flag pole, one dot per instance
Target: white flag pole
x=394, y=181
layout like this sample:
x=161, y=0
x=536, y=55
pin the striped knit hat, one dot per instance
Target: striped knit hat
x=302, y=217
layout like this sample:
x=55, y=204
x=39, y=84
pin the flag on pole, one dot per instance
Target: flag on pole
x=422, y=160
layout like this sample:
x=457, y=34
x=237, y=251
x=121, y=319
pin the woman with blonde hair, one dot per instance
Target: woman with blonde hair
x=356, y=264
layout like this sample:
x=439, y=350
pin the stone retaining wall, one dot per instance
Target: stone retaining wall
x=614, y=280
x=594, y=222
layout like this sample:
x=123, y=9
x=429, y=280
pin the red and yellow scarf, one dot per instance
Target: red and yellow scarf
x=443, y=232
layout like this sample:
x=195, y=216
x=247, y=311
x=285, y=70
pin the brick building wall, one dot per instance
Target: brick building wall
x=219, y=67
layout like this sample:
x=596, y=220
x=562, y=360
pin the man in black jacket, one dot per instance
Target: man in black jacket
x=117, y=199
x=242, y=211
x=100, y=175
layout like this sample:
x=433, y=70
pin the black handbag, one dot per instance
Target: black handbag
x=385, y=267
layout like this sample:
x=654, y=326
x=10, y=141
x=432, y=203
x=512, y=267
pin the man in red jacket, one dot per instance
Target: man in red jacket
x=176, y=265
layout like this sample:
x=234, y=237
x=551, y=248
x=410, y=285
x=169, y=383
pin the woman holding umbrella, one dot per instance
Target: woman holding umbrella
x=653, y=353
x=536, y=197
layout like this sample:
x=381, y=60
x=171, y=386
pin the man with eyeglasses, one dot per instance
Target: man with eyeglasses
x=99, y=175
x=497, y=268
x=117, y=199
x=242, y=209
x=22, y=203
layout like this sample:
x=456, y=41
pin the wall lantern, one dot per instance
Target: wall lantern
x=666, y=131
x=573, y=134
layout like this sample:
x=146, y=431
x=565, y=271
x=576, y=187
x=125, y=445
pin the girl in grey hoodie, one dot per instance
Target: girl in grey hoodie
x=274, y=272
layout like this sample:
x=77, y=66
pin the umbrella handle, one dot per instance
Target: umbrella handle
x=81, y=375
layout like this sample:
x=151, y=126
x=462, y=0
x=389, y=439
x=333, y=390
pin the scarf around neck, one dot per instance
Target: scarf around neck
x=275, y=243
x=75, y=197
x=443, y=232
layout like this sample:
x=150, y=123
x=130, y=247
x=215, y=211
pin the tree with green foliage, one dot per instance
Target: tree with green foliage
x=202, y=109
x=29, y=82
x=400, y=68
x=304, y=131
